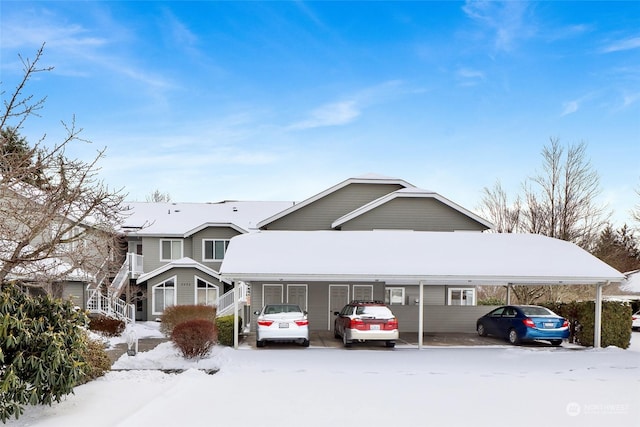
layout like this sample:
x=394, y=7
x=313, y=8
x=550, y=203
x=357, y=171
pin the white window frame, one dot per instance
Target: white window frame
x=462, y=290
x=195, y=294
x=162, y=284
x=387, y=292
x=204, y=249
x=353, y=290
x=173, y=258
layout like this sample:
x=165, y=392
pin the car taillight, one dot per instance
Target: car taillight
x=356, y=324
x=565, y=324
x=528, y=323
x=392, y=324
x=303, y=322
x=265, y=322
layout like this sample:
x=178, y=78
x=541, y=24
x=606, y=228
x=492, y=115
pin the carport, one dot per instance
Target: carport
x=416, y=258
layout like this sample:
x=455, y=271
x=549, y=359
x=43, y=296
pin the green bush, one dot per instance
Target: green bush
x=194, y=338
x=107, y=326
x=42, y=343
x=224, y=324
x=491, y=301
x=177, y=314
x=97, y=361
x=616, y=322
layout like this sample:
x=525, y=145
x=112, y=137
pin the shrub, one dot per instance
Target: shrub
x=42, y=342
x=616, y=322
x=96, y=360
x=224, y=324
x=177, y=314
x=107, y=326
x=194, y=338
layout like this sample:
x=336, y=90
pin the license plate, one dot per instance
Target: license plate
x=284, y=325
x=374, y=327
x=549, y=325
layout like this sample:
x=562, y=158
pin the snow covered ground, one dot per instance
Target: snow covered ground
x=286, y=386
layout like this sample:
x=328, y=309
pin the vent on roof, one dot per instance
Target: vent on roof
x=235, y=209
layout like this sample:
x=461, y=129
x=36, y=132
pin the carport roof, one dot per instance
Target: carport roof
x=412, y=257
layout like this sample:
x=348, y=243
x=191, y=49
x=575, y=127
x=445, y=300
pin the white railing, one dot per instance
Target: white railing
x=112, y=307
x=121, y=278
x=225, y=302
x=135, y=264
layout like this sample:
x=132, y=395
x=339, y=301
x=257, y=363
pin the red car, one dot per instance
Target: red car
x=366, y=321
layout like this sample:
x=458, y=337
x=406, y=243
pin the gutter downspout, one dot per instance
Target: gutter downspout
x=421, y=316
x=597, y=327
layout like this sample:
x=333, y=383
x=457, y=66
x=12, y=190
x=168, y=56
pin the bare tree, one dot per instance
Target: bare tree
x=561, y=200
x=158, y=196
x=635, y=213
x=57, y=219
x=495, y=206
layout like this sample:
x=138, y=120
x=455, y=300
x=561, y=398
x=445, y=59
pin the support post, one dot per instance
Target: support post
x=597, y=327
x=235, y=315
x=421, y=316
x=508, y=293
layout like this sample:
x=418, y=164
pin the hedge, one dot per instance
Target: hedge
x=224, y=325
x=616, y=322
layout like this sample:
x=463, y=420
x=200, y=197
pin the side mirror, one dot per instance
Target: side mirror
x=305, y=312
x=335, y=313
x=256, y=312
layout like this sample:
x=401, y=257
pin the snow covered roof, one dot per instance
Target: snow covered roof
x=363, y=179
x=411, y=257
x=185, y=262
x=408, y=193
x=167, y=219
x=631, y=282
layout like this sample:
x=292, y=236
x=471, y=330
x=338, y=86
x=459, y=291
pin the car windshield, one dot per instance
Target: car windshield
x=282, y=308
x=537, y=311
x=374, y=310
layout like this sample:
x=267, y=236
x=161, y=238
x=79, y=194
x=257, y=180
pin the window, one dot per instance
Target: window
x=164, y=295
x=206, y=293
x=394, y=296
x=214, y=250
x=170, y=250
x=462, y=296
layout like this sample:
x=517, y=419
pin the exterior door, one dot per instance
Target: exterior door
x=297, y=294
x=271, y=294
x=338, y=298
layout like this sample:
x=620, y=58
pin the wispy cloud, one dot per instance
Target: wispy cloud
x=469, y=77
x=621, y=45
x=570, y=107
x=506, y=20
x=348, y=109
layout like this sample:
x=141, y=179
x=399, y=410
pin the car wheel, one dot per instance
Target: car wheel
x=305, y=343
x=390, y=344
x=556, y=342
x=259, y=343
x=345, y=341
x=513, y=337
x=481, y=330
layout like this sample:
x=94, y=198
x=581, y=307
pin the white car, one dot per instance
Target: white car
x=282, y=322
x=635, y=325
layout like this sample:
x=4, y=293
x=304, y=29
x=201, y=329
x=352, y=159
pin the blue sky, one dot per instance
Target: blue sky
x=280, y=100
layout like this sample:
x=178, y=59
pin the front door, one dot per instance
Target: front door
x=271, y=294
x=297, y=294
x=338, y=298
x=363, y=292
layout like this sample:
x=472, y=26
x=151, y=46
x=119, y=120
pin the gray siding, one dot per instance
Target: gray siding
x=185, y=287
x=440, y=319
x=320, y=214
x=224, y=233
x=419, y=214
x=151, y=251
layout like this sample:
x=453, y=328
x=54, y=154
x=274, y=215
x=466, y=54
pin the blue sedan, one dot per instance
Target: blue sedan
x=519, y=323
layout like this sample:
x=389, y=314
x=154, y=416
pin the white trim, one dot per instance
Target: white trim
x=450, y=290
x=274, y=285
x=183, y=263
x=153, y=294
x=369, y=179
x=214, y=259
x=172, y=257
x=306, y=294
x=195, y=288
x=330, y=313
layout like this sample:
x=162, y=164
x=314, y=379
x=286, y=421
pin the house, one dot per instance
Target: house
x=175, y=250
x=381, y=238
